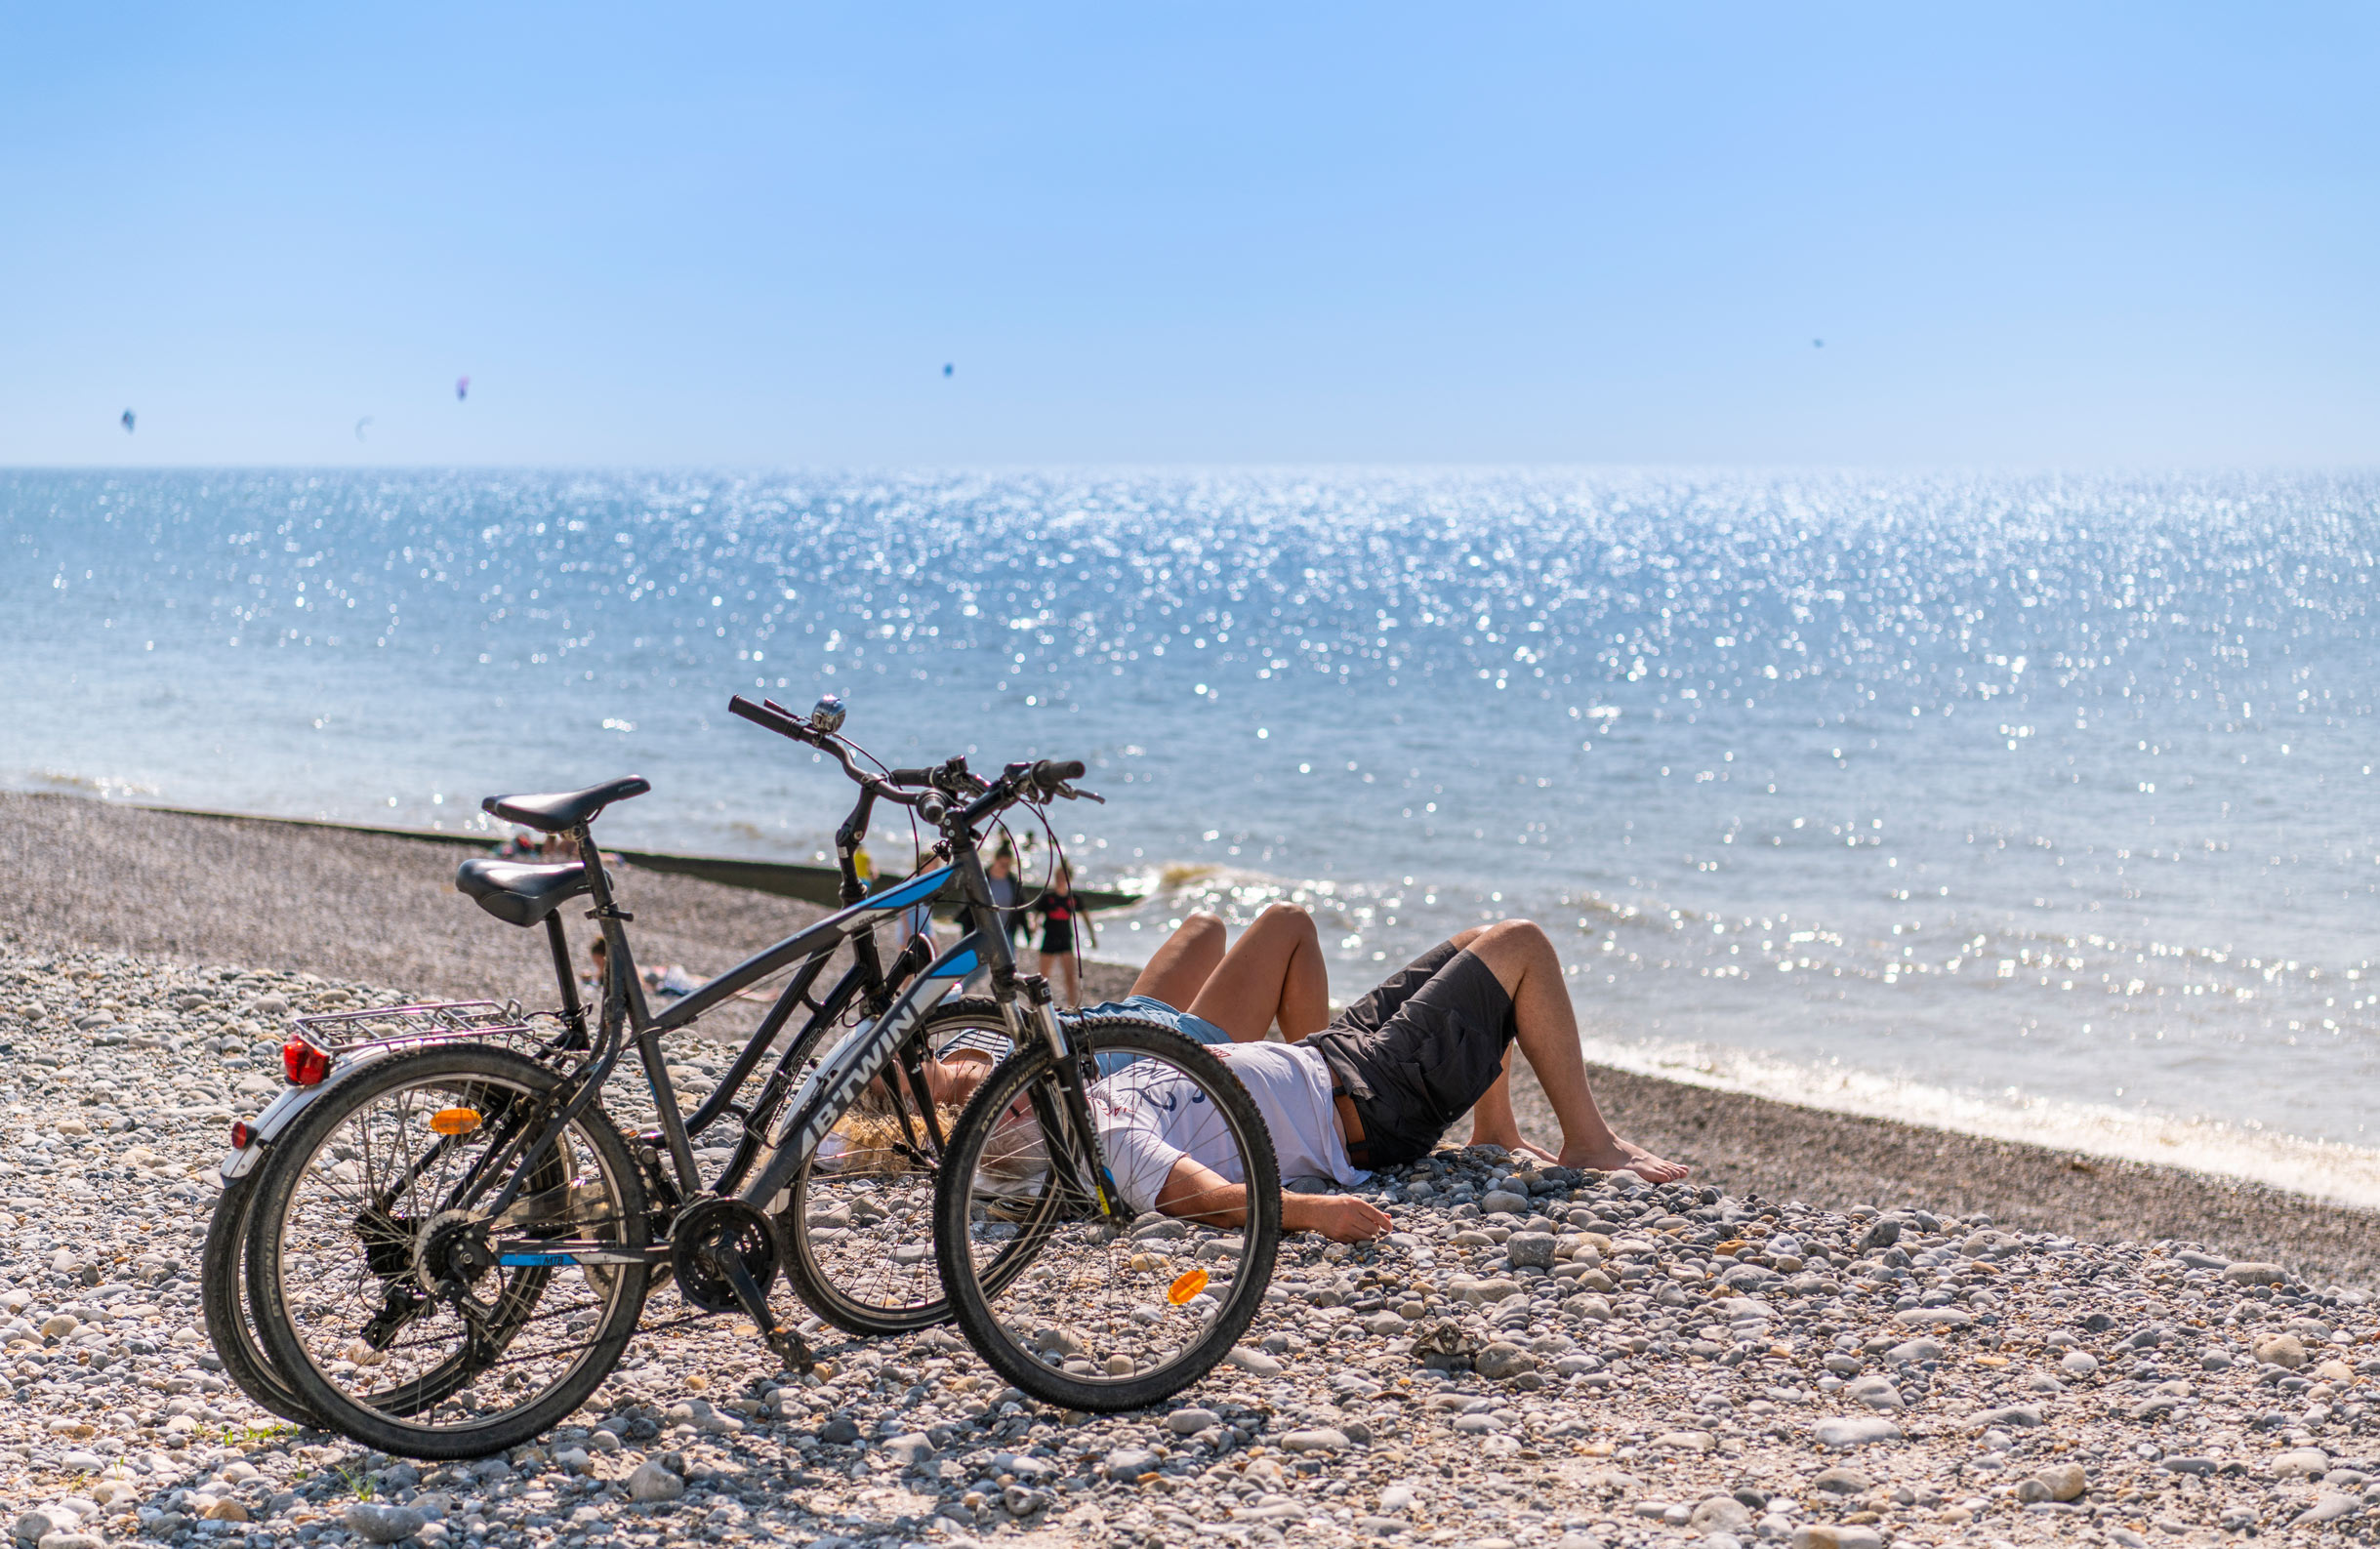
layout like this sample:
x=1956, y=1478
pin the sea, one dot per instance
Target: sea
x=2038, y=806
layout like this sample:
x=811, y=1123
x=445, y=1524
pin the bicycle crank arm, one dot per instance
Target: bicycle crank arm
x=784, y=1343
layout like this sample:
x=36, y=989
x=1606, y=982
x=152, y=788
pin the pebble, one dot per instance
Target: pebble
x=383, y=1523
x=1317, y=1441
x=2247, y=1274
x=1642, y=1366
x=650, y=1482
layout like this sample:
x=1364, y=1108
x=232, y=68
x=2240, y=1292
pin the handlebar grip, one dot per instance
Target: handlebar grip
x=763, y=716
x=910, y=777
x=1050, y=774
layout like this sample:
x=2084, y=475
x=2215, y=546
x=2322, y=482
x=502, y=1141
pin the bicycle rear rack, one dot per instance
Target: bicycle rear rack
x=340, y=1034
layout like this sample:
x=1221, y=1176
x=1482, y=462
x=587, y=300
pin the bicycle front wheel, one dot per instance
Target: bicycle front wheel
x=397, y=1307
x=1079, y=1306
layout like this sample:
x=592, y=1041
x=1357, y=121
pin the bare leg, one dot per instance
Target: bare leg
x=1274, y=973
x=1180, y=968
x=1059, y=967
x=1525, y=962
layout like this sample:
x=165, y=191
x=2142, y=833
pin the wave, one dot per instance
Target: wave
x=2321, y=1169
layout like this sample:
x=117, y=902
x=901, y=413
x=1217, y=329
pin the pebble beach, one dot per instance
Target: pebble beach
x=1532, y=1356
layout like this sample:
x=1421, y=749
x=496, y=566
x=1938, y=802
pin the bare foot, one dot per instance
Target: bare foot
x=1625, y=1156
x=1517, y=1146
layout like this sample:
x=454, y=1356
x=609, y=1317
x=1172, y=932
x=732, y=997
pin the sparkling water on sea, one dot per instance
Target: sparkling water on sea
x=2032, y=805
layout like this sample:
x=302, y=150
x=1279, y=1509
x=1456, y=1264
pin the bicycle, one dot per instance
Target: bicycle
x=424, y=1197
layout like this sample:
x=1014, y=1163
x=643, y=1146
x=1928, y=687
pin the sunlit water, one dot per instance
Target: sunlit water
x=2036, y=806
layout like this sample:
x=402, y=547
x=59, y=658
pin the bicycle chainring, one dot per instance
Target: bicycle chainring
x=701, y=1224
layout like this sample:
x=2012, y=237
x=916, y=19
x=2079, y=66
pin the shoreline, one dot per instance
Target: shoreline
x=93, y=875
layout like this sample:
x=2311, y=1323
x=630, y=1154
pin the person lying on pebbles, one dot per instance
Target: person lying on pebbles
x=1375, y=1087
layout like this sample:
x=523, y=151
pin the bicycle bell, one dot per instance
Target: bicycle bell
x=827, y=714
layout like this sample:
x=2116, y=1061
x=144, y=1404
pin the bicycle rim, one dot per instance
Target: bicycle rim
x=1066, y=1303
x=389, y=1328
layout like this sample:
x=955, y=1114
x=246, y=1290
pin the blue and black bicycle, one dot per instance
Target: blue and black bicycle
x=440, y=1238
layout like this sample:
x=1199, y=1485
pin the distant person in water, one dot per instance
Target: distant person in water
x=1062, y=913
x=1402, y=1063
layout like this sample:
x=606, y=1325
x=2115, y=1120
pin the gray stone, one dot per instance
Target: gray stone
x=1878, y=1392
x=1501, y=1201
x=1129, y=1463
x=1918, y=1349
x=2304, y=1463
x=1523, y=1250
x=1720, y=1514
x=71, y=1538
x=2021, y=1415
x=38, y=1524
x=1850, y=1433
x=1189, y=1422
x=1502, y=1360
x=1316, y=1440
x=909, y=1449
x=2063, y=1481
x=1934, y=1318
x=1842, y=1481
x=2079, y=1363
x=376, y=1524
x=2250, y=1274
x=2329, y=1506
x=1835, y=1536
x=841, y=1430
x=652, y=1482
x=1253, y=1362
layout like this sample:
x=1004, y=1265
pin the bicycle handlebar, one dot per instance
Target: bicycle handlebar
x=776, y=719
x=1026, y=781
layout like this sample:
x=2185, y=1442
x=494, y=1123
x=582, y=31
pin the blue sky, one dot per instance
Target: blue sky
x=2073, y=236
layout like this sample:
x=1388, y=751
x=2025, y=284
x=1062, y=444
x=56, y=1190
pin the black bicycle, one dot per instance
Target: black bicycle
x=449, y=1239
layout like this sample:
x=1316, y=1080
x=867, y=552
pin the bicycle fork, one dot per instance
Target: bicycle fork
x=1082, y=1142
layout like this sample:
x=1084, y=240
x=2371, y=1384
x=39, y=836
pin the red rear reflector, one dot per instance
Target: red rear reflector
x=242, y=1132
x=303, y=1064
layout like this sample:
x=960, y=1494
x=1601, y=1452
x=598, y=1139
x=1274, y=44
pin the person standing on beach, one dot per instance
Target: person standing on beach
x=1001, y=874
x=1062, y=911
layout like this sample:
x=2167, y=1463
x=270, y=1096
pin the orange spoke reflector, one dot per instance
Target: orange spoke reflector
x=1189, y=1286
x=455, y=1121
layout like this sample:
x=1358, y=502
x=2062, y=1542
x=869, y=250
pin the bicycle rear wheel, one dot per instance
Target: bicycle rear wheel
x=1068, y=1303
x=859, y=1216
x=396, y=1308
x=223, y=1293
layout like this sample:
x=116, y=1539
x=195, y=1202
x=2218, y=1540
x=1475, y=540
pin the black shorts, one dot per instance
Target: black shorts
x=1057, y=937
x=1417, y=1052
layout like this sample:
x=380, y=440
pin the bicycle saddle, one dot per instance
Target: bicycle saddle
x=519, y=894
x=558, y=812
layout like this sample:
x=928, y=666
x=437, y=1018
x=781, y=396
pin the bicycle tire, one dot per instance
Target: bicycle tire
x=823, y=1272
x=1105, y=1270
x=619, y=1287
x=223, y=1294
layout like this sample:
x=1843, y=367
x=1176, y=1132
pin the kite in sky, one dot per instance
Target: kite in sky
x=946, y=368
x=463, y=389
x=126, y=421
x=360, y=425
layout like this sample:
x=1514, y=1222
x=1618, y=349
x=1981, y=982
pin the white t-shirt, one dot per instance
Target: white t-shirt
x=1150, y=1117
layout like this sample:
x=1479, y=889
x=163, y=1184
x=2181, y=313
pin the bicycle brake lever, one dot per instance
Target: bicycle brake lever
x=1072, y=795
